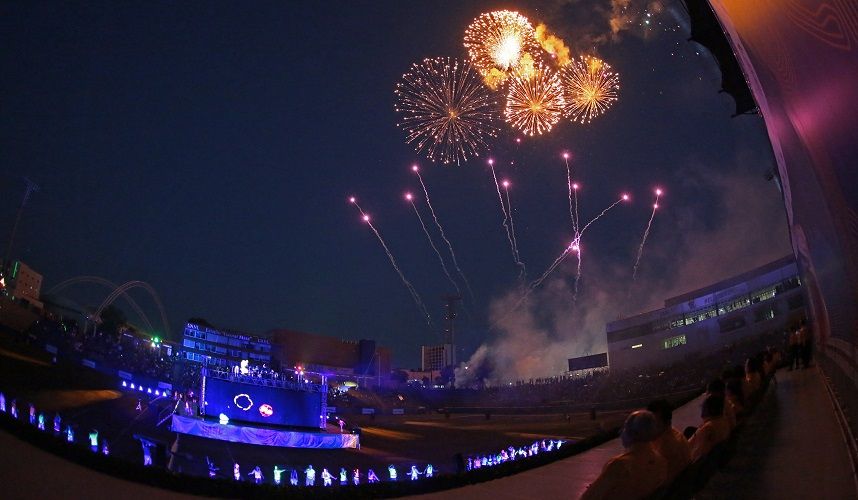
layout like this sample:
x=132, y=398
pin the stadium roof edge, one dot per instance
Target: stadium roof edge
x=708, y=289
x=728, y=282
x=707, y=31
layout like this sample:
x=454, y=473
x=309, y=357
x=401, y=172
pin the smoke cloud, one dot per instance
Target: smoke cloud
x=690, y=247
x=605, y=21
x=553, y=45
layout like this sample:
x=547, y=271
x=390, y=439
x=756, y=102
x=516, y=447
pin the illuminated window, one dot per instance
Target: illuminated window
x=672, y=342
x=700, y=315
x=765, y=294
x=736, y=304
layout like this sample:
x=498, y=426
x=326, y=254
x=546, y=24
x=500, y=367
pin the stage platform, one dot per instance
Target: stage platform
x=262, y=436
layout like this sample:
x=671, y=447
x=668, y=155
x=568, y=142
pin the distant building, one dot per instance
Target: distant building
x=25, y=284
x=335, y=357
x=436, y=357
x=424, y=377
x=584, y=364
x=202, y=344
x=766, y=299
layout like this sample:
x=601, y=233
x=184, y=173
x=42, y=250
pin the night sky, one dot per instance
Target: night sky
x=209, y=148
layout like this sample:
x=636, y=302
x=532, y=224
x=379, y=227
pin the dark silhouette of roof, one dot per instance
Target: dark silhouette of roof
x=707, y=31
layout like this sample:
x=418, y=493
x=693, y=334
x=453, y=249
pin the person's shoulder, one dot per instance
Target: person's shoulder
x=677, y=435
x=619, y=463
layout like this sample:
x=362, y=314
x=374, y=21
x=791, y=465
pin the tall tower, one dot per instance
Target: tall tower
x=7, y=258
x=448, y=337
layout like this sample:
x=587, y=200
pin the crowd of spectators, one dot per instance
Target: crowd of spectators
x=139, y=355
x=656, y=453
x=129, y=352
x=121, y=350
x=595, y=388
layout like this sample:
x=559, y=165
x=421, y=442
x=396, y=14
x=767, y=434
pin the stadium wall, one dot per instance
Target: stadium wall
x=800, y=60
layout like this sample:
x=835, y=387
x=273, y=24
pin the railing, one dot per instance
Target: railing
x=264, y=381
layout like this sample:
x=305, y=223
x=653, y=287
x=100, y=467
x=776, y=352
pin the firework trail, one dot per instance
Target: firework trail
x=410, y=198
x=575, y=188
x=414, y=295
x=577, y=219
x=504, y=212
x=416, y=170
x=522, y=274
x=573, y=214
x=573, y=247
x=580, y=234
x=658, y=193
x=623, y=198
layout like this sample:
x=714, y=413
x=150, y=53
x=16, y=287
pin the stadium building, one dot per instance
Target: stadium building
x=203, y=344
x=25, y=285
x=338, y=358
x=769, y=298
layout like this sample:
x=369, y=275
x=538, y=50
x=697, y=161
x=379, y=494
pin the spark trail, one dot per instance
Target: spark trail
x=522, y=273
x=573, y=215
x=573, y=247
x=573, y=212
x=623, y=198
x=577, y=218
x=414, y=295
x=580, y=234
x=410, y=198
x=503, y=211
x=416, y=170
x=658, y=193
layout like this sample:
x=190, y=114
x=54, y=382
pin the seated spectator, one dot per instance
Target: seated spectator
x=769, y=365
x=715, y=428
x=718, y=389
x=733, y=398
x=640, y=470
x=670, y=444
x=753, y=380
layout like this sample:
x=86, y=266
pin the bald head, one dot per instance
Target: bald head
x=641, y=426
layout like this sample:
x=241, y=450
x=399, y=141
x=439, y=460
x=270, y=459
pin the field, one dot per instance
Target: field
x=87, y=400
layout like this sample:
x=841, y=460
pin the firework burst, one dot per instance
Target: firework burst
x=448, y=113
x=589, y=88
x=534, y=103
x=496, y=43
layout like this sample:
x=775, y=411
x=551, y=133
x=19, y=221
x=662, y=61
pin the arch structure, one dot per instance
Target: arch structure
x=122, y=289
x=109, y=284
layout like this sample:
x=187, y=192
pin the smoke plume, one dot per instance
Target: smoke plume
x=690, y=247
